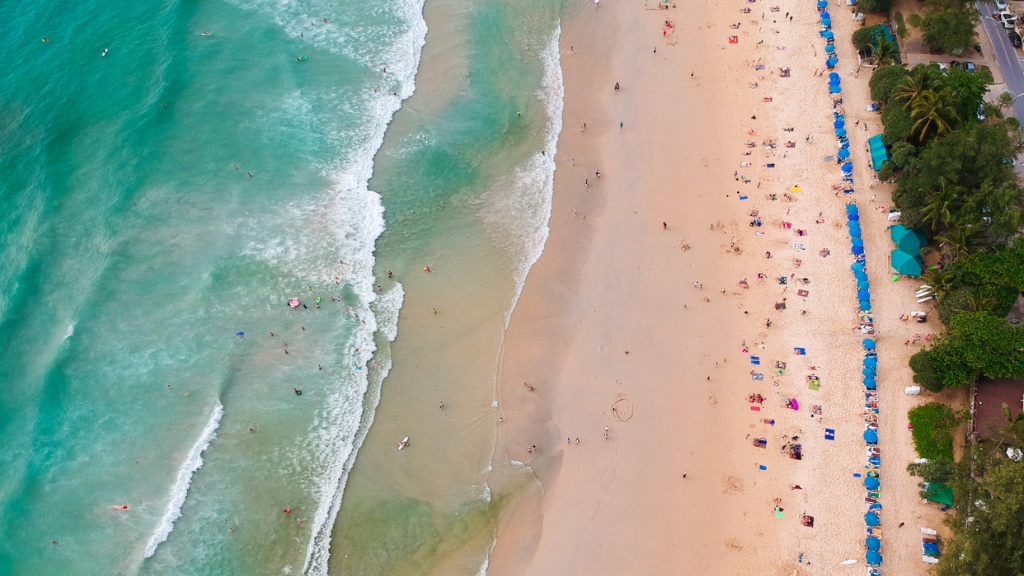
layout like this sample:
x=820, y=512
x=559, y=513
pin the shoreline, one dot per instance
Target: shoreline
x=613, y=279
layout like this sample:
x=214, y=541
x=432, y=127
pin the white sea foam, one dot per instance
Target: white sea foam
x=487, y=560
x=519, y=208
x=71, y=331
x=180, y=489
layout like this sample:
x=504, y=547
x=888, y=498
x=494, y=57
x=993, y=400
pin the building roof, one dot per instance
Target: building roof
x=988, y=404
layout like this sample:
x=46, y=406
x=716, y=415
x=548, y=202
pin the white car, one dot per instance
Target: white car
x=1007, y=19
x=1000, y=5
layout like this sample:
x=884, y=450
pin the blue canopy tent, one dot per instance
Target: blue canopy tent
x=858, y=250
x=869, y=372
x=871, y=483
x=906, y=263
x=865, y=305
x=869, y=344
x=856, y=241
x=873, y=543
x=863, y=285
x=871, y=519
x=873, y=558
x=871, y=437
x=870, y=383
x=853, y=217
x=831, y=63
x=878, y=151
x=844, y=153
x=860, y=274
x=864, y=295
x=871, y=362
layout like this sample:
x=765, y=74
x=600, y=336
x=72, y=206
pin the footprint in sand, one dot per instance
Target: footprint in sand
x=732, y=485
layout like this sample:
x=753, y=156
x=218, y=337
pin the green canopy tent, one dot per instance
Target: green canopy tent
x=906, y=263
x=907, y=239
x=878, y=152
x=940, y=493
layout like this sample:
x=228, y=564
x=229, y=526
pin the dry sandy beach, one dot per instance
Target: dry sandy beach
x=610, y=330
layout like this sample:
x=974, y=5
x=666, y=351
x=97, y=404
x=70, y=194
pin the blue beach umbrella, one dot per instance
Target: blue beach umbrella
x=848, y=167
x=830, y=48
x=833, y=76
x=873, y=543
x=839, y=124
x=853, y=217
x=871, y=519
x=855, y=233
x=822, y=3
x=857, y=266
x=826, y=23
x=860, y=275
x=871, y=437
x=869, y=344
x=852, y=209
x=873, y=558
x=844, y=153
x=825, y=15
x=869, y=372
x=865, y=295
x=871, y=483
x=871, y=362
x=852, y=223
x=831, y=62
x=865, y=305
x=858, y=250
x=863, y=285
x=870, y=383
x=841, y=133
x=828, y=35
x=856, y=241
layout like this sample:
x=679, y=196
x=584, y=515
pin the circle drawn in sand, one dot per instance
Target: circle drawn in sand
x=622, y=408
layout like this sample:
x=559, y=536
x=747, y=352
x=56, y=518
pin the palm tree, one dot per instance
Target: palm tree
x=934, y=114
x=885, y=53
x=960, y=241
x=940, y=201
x=923, y=78
x=940, y=283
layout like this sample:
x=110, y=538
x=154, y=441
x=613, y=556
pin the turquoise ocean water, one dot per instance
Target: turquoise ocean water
x=164, y=197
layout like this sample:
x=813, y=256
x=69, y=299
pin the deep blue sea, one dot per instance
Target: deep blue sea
x=172, y=173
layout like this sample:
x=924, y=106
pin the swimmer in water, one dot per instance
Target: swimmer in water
x=104, y=52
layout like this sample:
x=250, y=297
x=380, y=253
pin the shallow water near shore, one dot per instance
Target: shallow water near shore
x=161, y=204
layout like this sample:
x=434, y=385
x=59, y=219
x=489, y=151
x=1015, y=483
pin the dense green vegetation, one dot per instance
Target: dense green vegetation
x=955, y=181
x=932, y=425
x=988, y=489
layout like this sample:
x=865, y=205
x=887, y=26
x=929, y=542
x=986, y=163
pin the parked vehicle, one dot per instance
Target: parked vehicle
x=1015, y=39
x=1001, y=5
x=969, y=66
x=1007, y=19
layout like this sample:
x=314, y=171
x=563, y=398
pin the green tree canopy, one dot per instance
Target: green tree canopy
x=886, y=80
x=971, y=158
x=934, y=114
x=969, y=91
x=896, y=123
x=864, y=37
x=978, y=344
x=949, y=29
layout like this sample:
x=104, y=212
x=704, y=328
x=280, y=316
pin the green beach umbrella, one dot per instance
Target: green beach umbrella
x=906, y=239
x=906, y=263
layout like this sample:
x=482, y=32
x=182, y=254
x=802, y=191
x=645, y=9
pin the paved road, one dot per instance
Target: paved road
x=1005, y=55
